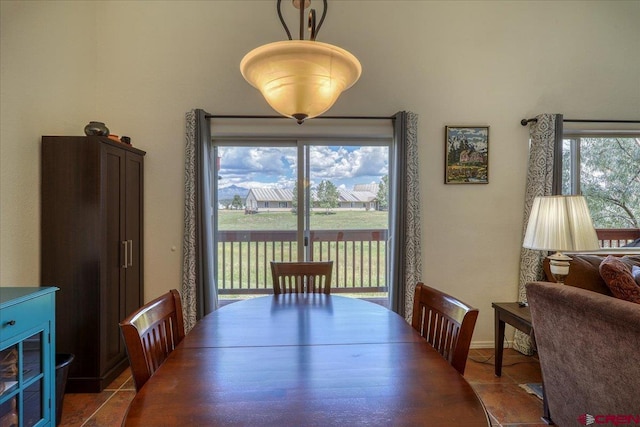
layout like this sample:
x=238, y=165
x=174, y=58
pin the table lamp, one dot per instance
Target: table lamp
x=560, y=223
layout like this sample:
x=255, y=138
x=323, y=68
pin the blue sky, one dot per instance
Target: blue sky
x=274, y=167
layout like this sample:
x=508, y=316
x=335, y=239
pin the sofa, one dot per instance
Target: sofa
x=584, y=271
x=588, y=343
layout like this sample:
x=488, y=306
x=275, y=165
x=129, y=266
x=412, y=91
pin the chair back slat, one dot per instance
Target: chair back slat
x=445, y=322
x=151, y=333
x=301, y=277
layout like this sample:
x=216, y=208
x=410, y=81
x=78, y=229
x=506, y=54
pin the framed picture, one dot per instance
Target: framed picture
x=467, y=155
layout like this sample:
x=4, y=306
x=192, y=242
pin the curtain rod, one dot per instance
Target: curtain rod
x=227, y=116
x=525, y=122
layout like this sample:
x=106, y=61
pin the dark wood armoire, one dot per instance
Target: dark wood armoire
x=92, y=249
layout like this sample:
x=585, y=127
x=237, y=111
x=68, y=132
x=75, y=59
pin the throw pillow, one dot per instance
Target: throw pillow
x=635, y=272
x=617, y=276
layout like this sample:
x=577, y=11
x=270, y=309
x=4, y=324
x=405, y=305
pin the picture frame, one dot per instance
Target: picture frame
x=466, y=155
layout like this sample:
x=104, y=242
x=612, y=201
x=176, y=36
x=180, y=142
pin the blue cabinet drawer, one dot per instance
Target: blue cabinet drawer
x=22, y=318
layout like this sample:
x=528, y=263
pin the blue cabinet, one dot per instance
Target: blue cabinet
x=27, y=356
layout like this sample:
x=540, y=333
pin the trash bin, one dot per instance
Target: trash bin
x=63, y=360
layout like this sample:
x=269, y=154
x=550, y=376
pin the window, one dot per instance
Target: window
x=605, y=168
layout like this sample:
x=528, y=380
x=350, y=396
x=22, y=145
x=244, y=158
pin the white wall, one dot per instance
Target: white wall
x=139, y=66
x=47, y=87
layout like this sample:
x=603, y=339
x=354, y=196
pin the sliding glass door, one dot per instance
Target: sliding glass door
x=301, y=199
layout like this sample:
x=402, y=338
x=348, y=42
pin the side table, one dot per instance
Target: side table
x=514, y=314
x=518, y=316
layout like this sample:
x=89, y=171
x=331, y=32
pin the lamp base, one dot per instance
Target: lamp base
x=559, y=264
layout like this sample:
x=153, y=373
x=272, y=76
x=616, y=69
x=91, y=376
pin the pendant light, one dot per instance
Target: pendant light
x=301, y=78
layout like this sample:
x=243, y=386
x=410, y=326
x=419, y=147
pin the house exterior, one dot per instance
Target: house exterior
x=280, y=199
x=468, y=156
x=271, y=199
x=351, y=199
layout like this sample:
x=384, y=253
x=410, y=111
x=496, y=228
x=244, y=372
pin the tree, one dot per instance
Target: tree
x=327, y=195
x=610, y=180
x=236, y=203
x=383, y=193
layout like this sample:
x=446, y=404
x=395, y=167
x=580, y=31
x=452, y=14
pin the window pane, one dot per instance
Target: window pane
x=256, y=222
x=349, y=214
x=610, y=180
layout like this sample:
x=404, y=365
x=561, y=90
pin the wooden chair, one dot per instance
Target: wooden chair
x=301, y=277
x=445, y=322
x=151, y=333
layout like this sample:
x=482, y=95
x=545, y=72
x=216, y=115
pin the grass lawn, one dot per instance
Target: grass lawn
x=244, y=264
x=338, y=220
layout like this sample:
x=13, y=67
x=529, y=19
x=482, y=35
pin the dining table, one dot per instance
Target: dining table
x=305, y=360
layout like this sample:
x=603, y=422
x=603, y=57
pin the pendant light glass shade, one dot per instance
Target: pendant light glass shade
x=300, y=78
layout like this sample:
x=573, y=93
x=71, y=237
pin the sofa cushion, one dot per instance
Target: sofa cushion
x=583, y=273
x=617, y=276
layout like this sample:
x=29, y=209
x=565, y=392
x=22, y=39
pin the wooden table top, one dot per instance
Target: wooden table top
x=296, y=360
x=521, y=312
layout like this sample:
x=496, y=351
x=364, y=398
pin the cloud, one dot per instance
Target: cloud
x=275, y=167
x=475, y=136
x=335, y=163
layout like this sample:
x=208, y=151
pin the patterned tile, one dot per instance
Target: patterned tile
x=120, y=380
x=112, y=412
x=509, y=403
x=78, y=407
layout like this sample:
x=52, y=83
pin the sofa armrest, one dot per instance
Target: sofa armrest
x=588, y=345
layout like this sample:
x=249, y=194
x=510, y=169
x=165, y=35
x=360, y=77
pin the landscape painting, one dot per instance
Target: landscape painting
x=467, y=155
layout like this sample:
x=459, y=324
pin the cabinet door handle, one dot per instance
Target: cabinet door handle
x=130, y=253
x=126, y=253
x=11, y=322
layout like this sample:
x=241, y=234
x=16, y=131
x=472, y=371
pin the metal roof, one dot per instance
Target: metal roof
x=356, y=196
x=372, y=188
x=272, y=194
x=286, y=195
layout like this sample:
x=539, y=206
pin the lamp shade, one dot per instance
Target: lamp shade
x=300, y=78
x=560, y=223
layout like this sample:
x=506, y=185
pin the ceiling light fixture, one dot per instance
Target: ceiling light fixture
x=301, y=78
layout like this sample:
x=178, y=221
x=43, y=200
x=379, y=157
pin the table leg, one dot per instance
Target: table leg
x=499, y=344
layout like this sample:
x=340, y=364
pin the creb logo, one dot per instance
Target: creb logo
x=586, y=419
x=615, y=419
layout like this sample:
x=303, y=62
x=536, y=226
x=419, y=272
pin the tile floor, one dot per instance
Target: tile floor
x=508, y=404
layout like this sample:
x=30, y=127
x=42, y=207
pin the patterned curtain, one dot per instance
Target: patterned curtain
x=545, y=135
x=405, y=262
x=199, y=290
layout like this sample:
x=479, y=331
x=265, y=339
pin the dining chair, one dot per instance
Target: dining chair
x=301, y=277
x=445, y=322
x=151, y=333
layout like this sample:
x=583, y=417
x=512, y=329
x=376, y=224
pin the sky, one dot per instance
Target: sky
x=275, y=167
x=475, y=136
